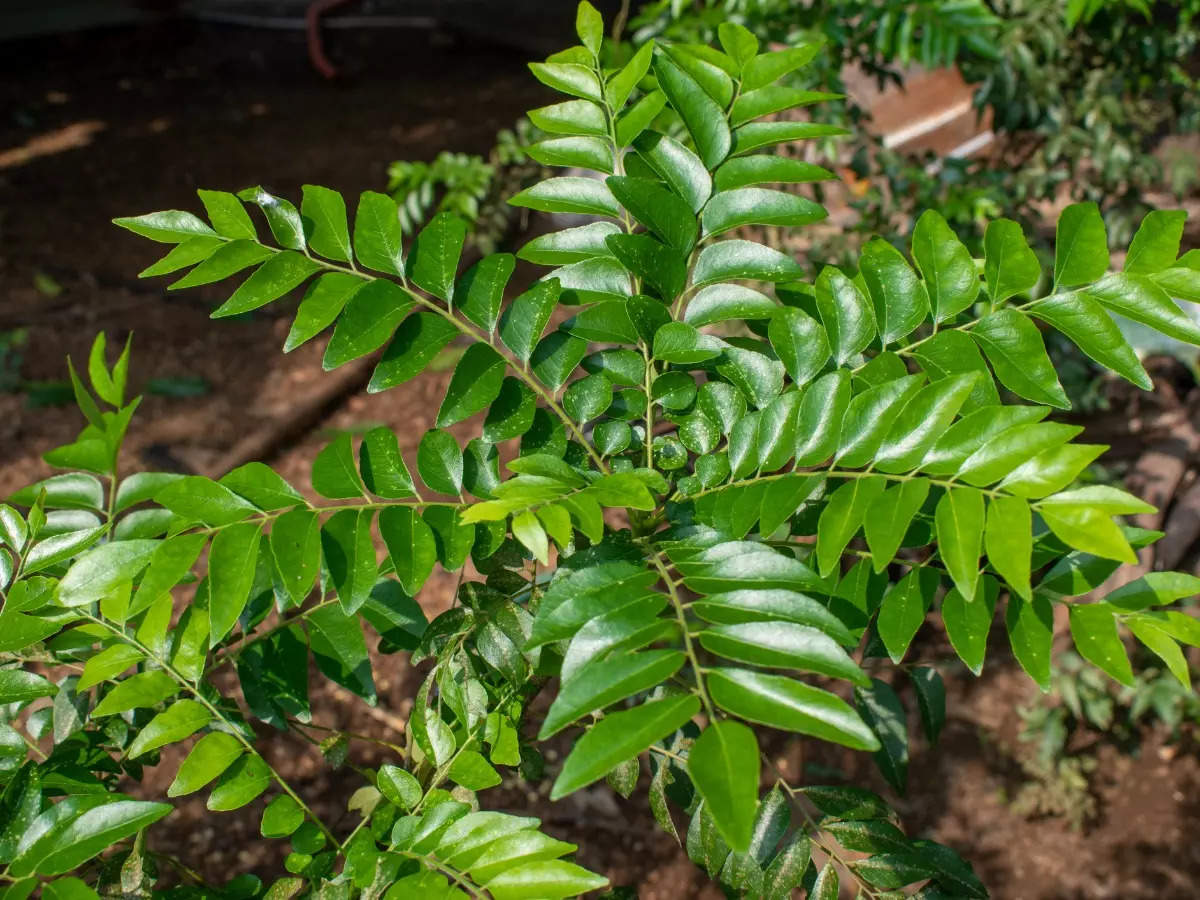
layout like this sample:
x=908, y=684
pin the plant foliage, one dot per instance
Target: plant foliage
x=704, y=498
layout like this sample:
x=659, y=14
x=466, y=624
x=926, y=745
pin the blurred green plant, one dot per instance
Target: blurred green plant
x=1081, y=701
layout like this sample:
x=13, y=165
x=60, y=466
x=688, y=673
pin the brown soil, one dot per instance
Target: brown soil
x=122, y=122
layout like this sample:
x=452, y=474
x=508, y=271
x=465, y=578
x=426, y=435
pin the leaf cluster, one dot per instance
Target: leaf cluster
x=703, y=497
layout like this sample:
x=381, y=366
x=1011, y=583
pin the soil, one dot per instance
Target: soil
x=126, y=121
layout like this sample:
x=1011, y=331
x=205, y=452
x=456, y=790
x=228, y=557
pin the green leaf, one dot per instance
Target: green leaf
x=340, y=651
x=262, y=486
x=474, y=385
x=946, y=265
x=574, y=151
x=923, y=422
x=433, y=257
x=701, y=115
x=782, y=645
x=108, y=663
x=555, y=359
x=1156, y=243
x=569, y=194
x=378, y=236
x=888, y=518
x=842, y=517
x=1080, y=246
x=638, y=117
x=1139, y=298
x=739, y=606
x=511, y=414
x=587, y=398
x=1010, y=267
x=826, y=886
x=281, y=818
x=417, y=342
x=848, y=318
x=180, y=720
x=969, y=621
x=723, y=764
x=621, y=84
x=440, y=462
x=1154, y=589
x=1095, y=333
x=323, y=302
x=589, y=26
x=773, y=99
x=54, y=550
x=226, y=260
x=677, y=342
x=324, y=213
x=480, y=290
x=19, y=686
x=231, y=565
x=950, y=353
x=410, y=544
x=768, y=67
x=620, y=736
x=350, y=555
x=902, y=611
x=789, y=705
x=931, y=698
x=383, y=469
x=1094, y=631
x=819, y=421
x=102, y=569
x=744, y=171
x=1014, y=347
x=269, y=282
x=170, y=227
x=286, y=224
x=603, y=682
x=549, y=878
x=569, y=78
x=370, y=317
x=1162, y=645
x=899, y=297
x=526, y=317
x=240, y=784
x=723, y=302
x=881, y=710
x=800, y=343
x=399, y=786
x=661, y=268
x=757, y=135
x=733, y=259
x=959, y=519
x=1008, y=540
x=563, y=247
x=575, y=597
x=73, y=490
x=678, y=166
x=140, y=691
x=659, y=209
x=296, y=548
x=528, y=530
x=758, y=206
x=1090, y=530
x=96, y=830
x=212, y=755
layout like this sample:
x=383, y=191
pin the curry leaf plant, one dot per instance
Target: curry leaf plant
x=709, y=503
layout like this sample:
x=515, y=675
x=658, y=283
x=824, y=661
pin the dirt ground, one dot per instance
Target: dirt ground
x=127, y=121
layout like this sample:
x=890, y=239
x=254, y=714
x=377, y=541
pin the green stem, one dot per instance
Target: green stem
x=689, y=648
